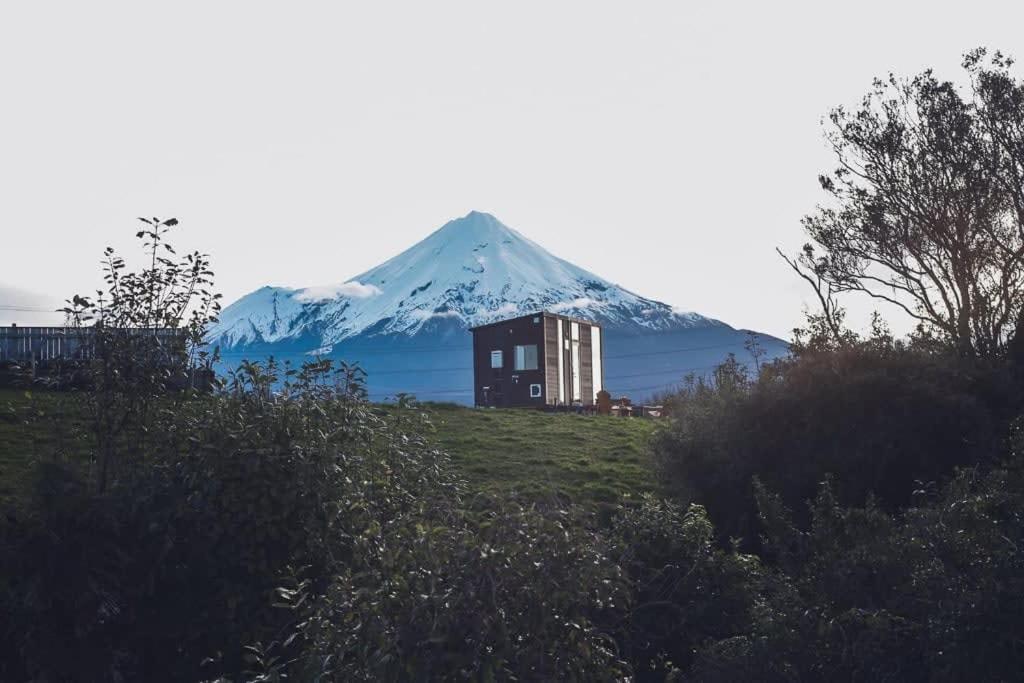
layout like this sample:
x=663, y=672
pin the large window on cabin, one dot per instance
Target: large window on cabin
x=497, y=360
x=526, y=357
x=577, y=380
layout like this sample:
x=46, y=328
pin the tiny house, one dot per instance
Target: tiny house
x=537, y=360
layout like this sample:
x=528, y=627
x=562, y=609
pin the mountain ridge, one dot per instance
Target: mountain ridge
x=406, y=320
x=474, y=269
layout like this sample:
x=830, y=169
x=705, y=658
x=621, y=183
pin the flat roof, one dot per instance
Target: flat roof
x=545, y=314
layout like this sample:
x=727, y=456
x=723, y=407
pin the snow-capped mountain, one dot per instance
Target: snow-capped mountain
x=473, y=270
x=409, y=316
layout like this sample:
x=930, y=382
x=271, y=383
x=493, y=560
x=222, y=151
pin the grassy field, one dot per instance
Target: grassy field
x=21, y=445
x=18, y=444
x=586, y=459
x=15, y=448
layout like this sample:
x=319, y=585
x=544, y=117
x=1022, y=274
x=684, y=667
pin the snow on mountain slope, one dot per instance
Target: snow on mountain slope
x=471, y=271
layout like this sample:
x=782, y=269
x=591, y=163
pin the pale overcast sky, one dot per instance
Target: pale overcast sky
x=668, y=147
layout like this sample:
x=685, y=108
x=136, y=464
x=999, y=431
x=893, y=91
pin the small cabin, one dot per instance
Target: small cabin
x=537, y=360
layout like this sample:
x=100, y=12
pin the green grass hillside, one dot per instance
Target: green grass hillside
x=16, y=447
x=585, y=458
x=21, y=444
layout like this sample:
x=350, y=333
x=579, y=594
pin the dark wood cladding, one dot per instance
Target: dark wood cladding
x=507, y=387
x=552, y=347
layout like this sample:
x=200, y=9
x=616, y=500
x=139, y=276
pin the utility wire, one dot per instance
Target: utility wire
x=384, y=352
x=607, y=378
x=26, y=309
x=625, y=338
x=455, y=390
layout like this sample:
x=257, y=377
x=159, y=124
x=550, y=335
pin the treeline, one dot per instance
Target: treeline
x=883, y=417
x=878, y=490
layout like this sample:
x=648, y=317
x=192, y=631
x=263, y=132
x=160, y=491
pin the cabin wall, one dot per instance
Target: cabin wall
x=507, y=387
x=562, y=345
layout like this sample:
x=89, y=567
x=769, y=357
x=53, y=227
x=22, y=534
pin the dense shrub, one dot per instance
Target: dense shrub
x=186, y=547
x=308, y=534
x=512, y=594
x=684, y=589
x=302, y=532
x=931, y=594
x=878, y=416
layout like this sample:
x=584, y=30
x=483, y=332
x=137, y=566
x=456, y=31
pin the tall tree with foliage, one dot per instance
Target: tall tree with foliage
x=926, y=205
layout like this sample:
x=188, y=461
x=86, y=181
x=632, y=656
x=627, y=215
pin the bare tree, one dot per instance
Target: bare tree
x=927, y=205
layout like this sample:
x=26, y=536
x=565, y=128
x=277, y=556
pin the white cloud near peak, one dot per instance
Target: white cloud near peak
x=351, y=290
x=581, y=302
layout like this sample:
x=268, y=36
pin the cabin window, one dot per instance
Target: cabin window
x=534, y=391
x=577, y=380
x=497, y=361
x=561, y=366
x=526, y=357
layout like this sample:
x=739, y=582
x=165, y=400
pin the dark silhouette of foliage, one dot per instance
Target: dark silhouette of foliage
x=141, y=338
x=878, y=414
x=176, y=562
x=931, y=594
x=509, y=593
x=926, y=208
x=684, y=589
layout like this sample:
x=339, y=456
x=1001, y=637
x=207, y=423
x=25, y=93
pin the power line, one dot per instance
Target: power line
x=662, y=372
x=415, y=370
x=455, y=390
x=668, y=351
x=372, y=352
x=26, y=309
x=666, y=371
x=625, y=338
x=382, y=352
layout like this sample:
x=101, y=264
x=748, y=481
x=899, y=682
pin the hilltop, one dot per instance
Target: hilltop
x=533, y=455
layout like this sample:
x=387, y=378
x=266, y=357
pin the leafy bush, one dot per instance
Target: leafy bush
x=187, y=547
x=932, y=594
x=878, y=416
x=336, y=510
x=684, y=589
x=510, y=593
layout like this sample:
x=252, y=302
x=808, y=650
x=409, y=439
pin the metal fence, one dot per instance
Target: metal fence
x=41, y=344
